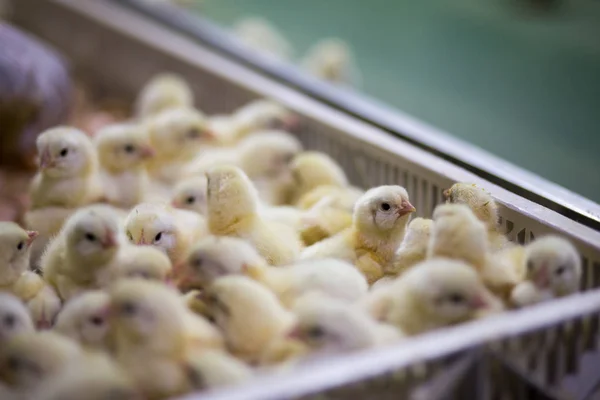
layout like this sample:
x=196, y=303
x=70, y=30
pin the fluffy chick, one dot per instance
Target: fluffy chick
x=168, y=229
x=378, y=228
x=14, y=317
x=30, y=358
x=48, y=222
x=430, y=295
x=68, y=170
x=84, y=319
x=190, y=194
x=86, y=245
x=212, y=369
x=233, y=210
x=248, y=314
x=145, y=262
x=312, y=169
x=332, y=60
x=331, y=326
x=547, y=268
x=483, y=206
x=176, y=135
x=123, y=150
x=162, y=92
x=413, y=249
x=259, y=34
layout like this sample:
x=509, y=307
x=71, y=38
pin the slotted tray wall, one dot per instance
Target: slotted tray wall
x=121, y=50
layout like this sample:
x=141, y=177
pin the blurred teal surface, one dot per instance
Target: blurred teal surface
x=523, y=85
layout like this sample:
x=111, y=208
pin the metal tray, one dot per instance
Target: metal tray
x=545, y=351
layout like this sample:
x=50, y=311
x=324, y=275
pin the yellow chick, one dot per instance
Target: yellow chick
x=168, y=229
x=84, y=319
x=162, y=92
x=48, y=222
x=339, y=197
x=413, y=249
x=68, y=170
x=483, y=206
x=176, y=135
x=248, y=314
x=458, y=234
x=213, y=369
x=190, y=194
x=87, y=245
x=330, y=326
x=123, y=150
x=430, y=295
x=14, y=318
x=29, y=358
x=96, y=377
x=332, y=60
x=233, y=210
x=323, y=220
x=378, y=228
x=546, y=268
x=259, y=34
x=145, y=262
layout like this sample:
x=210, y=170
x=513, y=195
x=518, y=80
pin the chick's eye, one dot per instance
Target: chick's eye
x=560, y=270
x=193, y=133
x=64, y=152
x=385, y=206
x=9, y=320
x=20, y=245
x=90, y=236
x=129, y=148
x=456, y=298
x=190, y=200
x=97, y=320
x=128, y=308
x=316, y=332
x=158, y=237
x=198, y=262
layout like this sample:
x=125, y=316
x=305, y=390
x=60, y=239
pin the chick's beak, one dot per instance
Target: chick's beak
x=406, y=208
x=478, y=302
x=447, y=193
x=109, y=241
x=31, y=236
x=175, y=203
x=45, y=159
x=147, y=152
x=291, y=123
x=295, y=333
x=542, y=278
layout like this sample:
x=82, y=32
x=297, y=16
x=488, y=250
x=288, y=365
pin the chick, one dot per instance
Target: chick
x=14, y=318
x=168, y=229
x=547, y=268
x=68, y=170
x=332, y=60
x=413, y=249
x=430, y=295
x=323, y=220
x=248, y=314
x=176, y=135
x=212, y=369
x=458, y=234
x=162, y=92
x=484, y=207
x=32, y=357
x=378, y=227
x=233, y=210
x=331, y=326
x=123, y=150
x=145, y=262
x=94, y=378
x=259, y=34
x=190, y=194
x=339, y=197
x=84, y=319
x=48, y=222
x=312, y=169
x=87, y=244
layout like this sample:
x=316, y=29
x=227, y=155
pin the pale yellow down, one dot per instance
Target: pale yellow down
x=162, y=92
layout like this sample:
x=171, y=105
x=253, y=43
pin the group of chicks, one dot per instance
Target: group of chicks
x=177, y=252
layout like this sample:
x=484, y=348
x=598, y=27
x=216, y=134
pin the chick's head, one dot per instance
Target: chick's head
x=31, y=357
x=419, y=230
x=14, y=251
x=190, y=194
x=311, y=169
x=65, y=152
x=84, y=319
x=152, y=224
x=447, y=290
x=553, y=263
x=93, y=233
x=478, y=199
x=161, y=92
x=265, y=114
x=14, y=317
x=384, y=209
x=123, y=146
x=179, y=132
x=268, y=154
x=145, y=262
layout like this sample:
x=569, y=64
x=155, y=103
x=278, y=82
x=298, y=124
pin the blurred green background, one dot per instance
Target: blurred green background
x=520, y=81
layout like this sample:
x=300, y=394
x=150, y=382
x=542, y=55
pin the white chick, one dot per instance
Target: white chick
x=430, y=295
x=213, y=369
x=123, y=150
x=190, y=194
x=168, y=229
x=413, y=249
x=68, y=170
x=84, y=319
x=87, y=244
x=162, y=92
x=331, y=326
x=259, y=34
x=248, y=314
x=233, y=210
x=332, y=60
x=14, y=317
x=378, y=227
